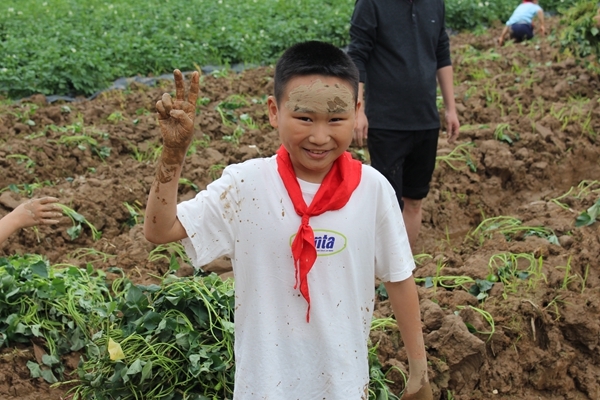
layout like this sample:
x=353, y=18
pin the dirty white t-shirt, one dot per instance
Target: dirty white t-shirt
x=248, y=216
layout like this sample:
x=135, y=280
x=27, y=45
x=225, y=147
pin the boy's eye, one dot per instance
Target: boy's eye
x=336, y=119
x=305, y=119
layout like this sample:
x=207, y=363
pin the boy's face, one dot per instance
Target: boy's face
x=316, y=121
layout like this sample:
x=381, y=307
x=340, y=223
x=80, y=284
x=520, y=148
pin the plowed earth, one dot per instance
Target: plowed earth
x=544, y=341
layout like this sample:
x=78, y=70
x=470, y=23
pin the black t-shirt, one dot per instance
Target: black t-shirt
x=398, y=46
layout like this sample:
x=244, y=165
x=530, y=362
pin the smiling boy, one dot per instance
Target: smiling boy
x=307, y=231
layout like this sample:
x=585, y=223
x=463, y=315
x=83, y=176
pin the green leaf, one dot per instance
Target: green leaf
x=49, y=360
x=470, y=327
x=146, y=371
x=429, y=282
x=173, y=263
x=381, y=292
x=136, y=367
x=74, y=231
x=40, y=268
x=34, y=369
x=49, y=376
x=228, y=326
x=583, y=219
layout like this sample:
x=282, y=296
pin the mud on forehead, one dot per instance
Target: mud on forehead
x=319, y=97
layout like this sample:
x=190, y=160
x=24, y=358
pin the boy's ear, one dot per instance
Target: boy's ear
x=273, y=111
x=359, y=105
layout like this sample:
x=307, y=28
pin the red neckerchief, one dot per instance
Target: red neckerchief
x=333, y=194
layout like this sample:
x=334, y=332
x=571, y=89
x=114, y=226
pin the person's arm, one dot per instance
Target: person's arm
x=176, y=120
x=503, y=35
x=362, y=123
x=363, y=35
x=445, y=80
x=405, y=304
x=42, y=211
x=540, y=15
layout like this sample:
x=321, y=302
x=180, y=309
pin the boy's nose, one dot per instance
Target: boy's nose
x=319, y=135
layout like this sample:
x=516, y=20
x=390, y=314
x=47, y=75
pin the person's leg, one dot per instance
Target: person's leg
x=418, y=170
x=387, y=151
x=413, y=214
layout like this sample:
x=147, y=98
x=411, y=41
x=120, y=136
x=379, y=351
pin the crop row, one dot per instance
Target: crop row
x=71, y=47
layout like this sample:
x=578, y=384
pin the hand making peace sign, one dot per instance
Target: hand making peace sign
x=176, y=117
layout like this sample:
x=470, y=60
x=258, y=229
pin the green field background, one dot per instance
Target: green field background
x=79, y=47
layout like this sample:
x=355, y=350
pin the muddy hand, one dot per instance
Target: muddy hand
x=424, y=393
x=176, y=116
x=42, y=211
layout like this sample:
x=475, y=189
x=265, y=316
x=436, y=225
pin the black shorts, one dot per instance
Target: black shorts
x=405, y=158
x=520, y=32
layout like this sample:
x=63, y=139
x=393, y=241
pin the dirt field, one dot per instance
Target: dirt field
x=542, y=340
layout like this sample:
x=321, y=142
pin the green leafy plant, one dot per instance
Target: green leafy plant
x=235, y=137
x=487, y=316
x=460, y=154
x=173, y=253
x=510, y=269
x=77, y=220
x=203, y=143
x=115, y=117
x=135, y=213
x=27, y=188
x=589, y=216
x=78, y=135
x=509, y=227
x=150, y=153
x=57, y=308
x=23, y=159
x=581, y=36
x=503, y=133
x=187, y=182
x=172, y=338
x=215, y=170
x=378, y=378
x=142, y=41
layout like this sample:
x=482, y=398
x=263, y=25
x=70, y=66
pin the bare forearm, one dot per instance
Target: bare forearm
x=161, y=224
x=8, y=225
x=540, y=15
x=445, y=80
x=405, y=304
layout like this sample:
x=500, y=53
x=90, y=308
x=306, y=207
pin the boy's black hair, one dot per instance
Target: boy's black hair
x=314, y=58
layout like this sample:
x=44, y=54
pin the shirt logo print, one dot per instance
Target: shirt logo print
x=327, y=242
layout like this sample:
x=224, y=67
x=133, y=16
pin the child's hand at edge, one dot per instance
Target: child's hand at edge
x=42, y=211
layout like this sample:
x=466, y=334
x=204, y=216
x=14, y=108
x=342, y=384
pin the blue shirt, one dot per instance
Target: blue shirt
x=524, y=13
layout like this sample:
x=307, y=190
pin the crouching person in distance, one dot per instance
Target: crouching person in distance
x=520, y=25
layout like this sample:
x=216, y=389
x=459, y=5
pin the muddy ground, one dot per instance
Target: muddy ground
x=544, y=341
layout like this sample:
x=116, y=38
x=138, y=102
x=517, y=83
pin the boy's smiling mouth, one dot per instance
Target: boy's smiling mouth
x=313, y=153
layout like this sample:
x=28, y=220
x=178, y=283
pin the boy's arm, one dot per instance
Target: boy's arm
x=176, y=120
x=41, y=211
x=405, y=304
